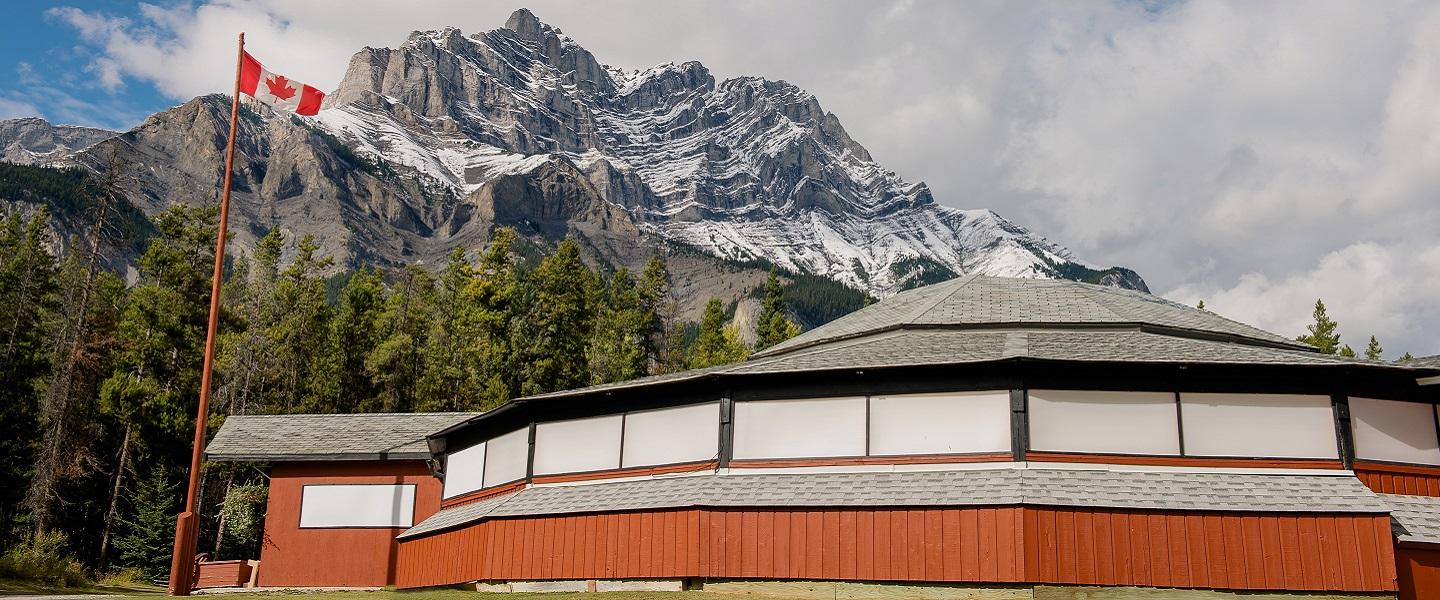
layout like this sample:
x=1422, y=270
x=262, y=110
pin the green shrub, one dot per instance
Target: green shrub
x=125, y=577
x=43, y=560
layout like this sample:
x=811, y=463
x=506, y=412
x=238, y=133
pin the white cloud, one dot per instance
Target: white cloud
x=1234, y=149
x=12, y=109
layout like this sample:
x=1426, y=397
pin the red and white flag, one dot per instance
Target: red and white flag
x=276, y=90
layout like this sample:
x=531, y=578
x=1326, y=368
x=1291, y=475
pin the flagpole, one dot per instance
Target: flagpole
x=187, y=524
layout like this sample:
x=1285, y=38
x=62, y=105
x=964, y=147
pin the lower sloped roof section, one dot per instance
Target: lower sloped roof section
x=1414, y=518
x=1089, y=488
x=302, y=437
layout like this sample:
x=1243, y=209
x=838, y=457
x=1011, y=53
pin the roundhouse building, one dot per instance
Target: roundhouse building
x=1002, y=435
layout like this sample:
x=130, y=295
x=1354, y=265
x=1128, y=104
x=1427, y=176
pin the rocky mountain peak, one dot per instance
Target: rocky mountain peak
x=429, y=145
x=525, y=23
x=32, y=140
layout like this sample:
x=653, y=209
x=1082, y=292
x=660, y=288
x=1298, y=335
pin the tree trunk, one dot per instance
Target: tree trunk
x=220, y=527
x=114, y=499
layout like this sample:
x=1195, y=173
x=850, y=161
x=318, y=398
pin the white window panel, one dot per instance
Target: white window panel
x=1394, y=431
x=464, y=470
x=949, y=423
x=1104, y=422
x=672, y=435
x=357, y=505
x=507, y=456
x=1259, y=425
x=577, y=445
x=800, y=428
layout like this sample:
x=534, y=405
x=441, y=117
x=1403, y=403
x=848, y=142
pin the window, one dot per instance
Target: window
x=1105, y=422
x=954, y=423
x=357, y=505
x=577, y=445
x=464, y=470
x=672, y=435
x=1268, y=425
x=507, y=456
x=800, y=428
x=1394, y=431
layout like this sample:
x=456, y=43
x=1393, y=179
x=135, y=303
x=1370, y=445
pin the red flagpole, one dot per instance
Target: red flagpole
x=182, y=563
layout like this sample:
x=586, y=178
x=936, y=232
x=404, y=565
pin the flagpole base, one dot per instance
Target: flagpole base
x=182, y=562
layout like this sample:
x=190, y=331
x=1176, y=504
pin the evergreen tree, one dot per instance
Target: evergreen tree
x=28, y=295
x=1322, y=332
x=1200, y=305
x=395, y=365
x=160, y=338
x=246, y=362
x=773, y=327
x=300, y=332
x=717, y=344
x=448, y=378
x=1405, y=358
x=1347, y=352
x=147, y=535
x=556, y=322
x=618, y=346
x=489, y=315
x=341, y=383
x=655, y=299
x=1373, y=351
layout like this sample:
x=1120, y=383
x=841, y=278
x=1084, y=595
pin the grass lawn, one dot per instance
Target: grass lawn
x=11, y=587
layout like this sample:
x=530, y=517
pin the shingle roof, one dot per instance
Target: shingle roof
x=921, y=347
x=1007, y=486
x=328, y=437
x=978, y=300
x=1414, y=518
x=1426, y=361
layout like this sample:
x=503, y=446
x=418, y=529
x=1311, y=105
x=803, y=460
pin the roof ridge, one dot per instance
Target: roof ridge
x=962, y=282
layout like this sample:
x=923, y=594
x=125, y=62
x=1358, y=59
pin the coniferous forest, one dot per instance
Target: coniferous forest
x=100, y=379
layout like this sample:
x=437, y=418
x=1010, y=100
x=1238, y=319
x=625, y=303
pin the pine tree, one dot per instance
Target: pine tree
x=557, y=321
x=773, y=326
x=447, y=381
x=1347, y=352
x=490, y=313
x=341, y=384
x=246, y=361
x=28, y=295
x=1200, y=305
x=617, y=350
x=396, y=363
x=299, y=334
x=655, y=302
x=1322, y=332
x=147, y=534
x=1405, y=358
x=717, y=344
x=1373, y=351
x=160, y=338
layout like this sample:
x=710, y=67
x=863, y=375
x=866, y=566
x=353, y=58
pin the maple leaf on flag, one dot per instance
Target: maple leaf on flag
x=279, y=87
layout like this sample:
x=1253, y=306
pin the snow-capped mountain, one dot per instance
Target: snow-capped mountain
x=743, y=169
x=428, y=146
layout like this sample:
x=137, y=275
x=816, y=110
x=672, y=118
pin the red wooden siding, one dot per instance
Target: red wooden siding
x=337, y=557
x=1254, y=551
x=1419, y=571
x=993, y=545
x=1398, y=479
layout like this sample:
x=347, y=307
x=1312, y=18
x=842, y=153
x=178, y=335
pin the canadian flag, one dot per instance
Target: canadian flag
x=276, y=90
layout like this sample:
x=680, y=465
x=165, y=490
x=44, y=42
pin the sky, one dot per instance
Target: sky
x=1256, y=155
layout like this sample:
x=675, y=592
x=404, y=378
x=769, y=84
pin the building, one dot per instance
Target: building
x=1004, y=435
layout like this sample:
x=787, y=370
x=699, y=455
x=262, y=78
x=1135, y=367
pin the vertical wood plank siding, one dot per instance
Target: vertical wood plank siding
x=992, y=545
x=1419, y=571
x=1397, y=479
x=344, y=557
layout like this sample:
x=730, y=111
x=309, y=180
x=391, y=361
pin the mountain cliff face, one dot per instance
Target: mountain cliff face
x=32, y=141
x=429, y=145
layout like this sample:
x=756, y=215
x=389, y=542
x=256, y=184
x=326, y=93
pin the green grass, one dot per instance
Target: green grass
x=470, y=594
x=10, y=586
